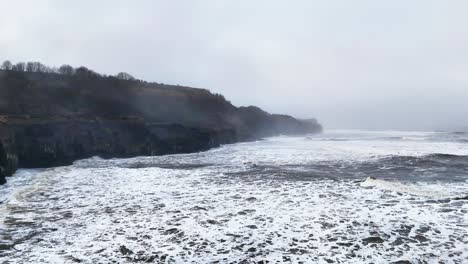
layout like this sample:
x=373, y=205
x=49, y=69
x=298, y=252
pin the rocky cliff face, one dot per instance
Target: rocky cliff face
x=50, y=120
x=41, y=144
x=8, y=157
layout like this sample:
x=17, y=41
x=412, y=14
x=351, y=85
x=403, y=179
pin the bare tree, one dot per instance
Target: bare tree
x=84, y=72
x=66, y=70
x=35, y=67
x=125, y=76
x=20, y=66
x=41, y=67
x=30, y=67
x=7, y=65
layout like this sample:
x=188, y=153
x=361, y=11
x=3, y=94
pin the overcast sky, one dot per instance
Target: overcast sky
x=352, y=64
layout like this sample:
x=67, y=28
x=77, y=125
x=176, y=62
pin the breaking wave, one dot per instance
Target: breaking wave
x=429, y=191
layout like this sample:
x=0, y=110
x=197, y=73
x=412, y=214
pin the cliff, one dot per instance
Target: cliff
x=50, y=119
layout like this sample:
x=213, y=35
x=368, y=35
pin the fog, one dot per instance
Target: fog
x=351, y=64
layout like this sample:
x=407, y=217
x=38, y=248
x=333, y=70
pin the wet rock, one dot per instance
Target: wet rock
x=2, y=177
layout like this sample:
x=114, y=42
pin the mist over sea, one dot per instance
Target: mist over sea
x=344, y=196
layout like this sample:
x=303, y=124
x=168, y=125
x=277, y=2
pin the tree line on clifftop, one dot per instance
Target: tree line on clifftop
x=83, y=72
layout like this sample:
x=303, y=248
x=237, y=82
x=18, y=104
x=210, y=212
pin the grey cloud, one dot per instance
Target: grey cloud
x=353, y=64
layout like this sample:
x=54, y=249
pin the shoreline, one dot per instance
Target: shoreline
x=44, y=144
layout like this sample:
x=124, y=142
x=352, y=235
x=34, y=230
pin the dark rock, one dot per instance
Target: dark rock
x=2, y=178
x=8, y=157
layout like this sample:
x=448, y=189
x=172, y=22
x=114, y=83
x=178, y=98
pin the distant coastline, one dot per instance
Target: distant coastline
x=53, y=116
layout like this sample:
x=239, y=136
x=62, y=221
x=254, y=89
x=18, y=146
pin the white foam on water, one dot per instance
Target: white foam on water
x=96, y=210
x=433, y=191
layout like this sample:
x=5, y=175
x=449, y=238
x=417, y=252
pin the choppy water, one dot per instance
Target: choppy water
x=339, y=197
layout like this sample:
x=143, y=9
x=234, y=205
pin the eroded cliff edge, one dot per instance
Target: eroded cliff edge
x=49, y=119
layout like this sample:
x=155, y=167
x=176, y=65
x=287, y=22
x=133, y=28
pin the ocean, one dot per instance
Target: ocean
x=344, y=196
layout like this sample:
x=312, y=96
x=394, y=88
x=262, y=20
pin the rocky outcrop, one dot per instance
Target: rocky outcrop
x=8, y=157
x=47, y=119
